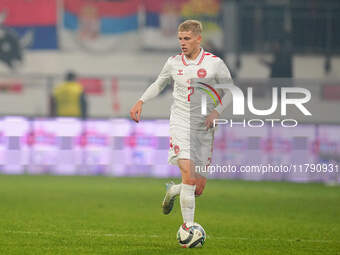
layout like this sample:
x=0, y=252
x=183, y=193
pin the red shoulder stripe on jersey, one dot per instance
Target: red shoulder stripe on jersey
x=210, y=54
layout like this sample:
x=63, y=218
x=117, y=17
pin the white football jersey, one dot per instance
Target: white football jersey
x=189, y=138
x=181, y=70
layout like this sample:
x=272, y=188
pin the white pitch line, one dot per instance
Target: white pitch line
x=276, y=239
x=159, y=236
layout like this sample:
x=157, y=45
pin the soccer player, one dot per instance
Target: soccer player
x=191, y=139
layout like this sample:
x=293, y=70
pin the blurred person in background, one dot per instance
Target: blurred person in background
x=281, y=65
x=330, y=72
x=69, y=99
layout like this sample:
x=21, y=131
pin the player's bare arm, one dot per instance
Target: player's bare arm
x=151, y=92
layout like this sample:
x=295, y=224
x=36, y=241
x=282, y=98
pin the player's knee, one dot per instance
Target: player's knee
x=188, y=177
x=188, y=180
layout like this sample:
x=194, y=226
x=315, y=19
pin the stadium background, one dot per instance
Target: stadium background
x=117, y=48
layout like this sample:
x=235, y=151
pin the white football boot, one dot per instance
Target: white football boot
x=169, y=199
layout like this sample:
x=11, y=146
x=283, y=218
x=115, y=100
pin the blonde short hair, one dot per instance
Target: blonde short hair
x=192, y=25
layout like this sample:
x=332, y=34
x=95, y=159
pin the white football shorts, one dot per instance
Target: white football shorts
x=186, y=142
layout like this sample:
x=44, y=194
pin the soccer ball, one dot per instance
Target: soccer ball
x=190, y=237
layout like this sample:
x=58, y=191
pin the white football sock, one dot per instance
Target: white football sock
x=187, y=201
x=176, y=189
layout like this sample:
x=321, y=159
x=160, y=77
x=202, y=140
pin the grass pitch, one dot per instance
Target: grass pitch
x=100, y=215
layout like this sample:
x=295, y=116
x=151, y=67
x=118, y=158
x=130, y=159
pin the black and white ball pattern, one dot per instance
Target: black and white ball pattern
x=190, y=237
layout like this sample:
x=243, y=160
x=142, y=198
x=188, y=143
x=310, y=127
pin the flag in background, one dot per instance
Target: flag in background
x=106, y=25
x=99, y=25
x=162, y=18
x=38, y=17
